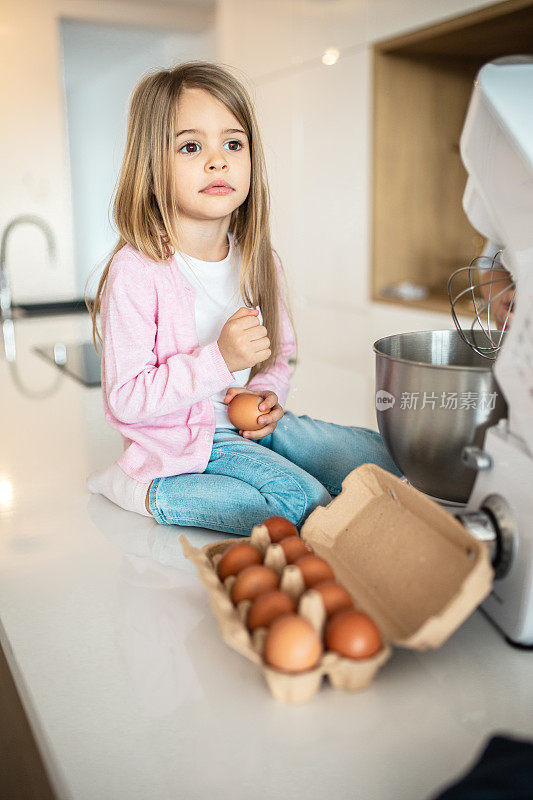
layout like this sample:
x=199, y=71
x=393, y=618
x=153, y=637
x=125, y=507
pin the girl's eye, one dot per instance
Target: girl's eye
x=188, y=144
x=195, y=144
x=236, y=141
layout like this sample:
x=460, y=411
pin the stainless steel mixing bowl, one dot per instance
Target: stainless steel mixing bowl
x=434, y=396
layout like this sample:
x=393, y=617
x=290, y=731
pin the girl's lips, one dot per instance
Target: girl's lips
x=217, y=190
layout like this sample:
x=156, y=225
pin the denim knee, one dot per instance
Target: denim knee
x=316, y=495
x=296, y=505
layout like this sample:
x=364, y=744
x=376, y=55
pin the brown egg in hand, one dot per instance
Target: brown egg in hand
x=352, y=634
x=237, y=557
x=253, y=581
x=334, y=596
x=279, y=528
x=314, y=569
x=243, y=411
x=292, y=644
x=269, y=606
x=294, y=547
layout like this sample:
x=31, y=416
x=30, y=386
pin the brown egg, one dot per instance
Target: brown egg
x=294, y=547
x=352, y=634
x=236, y=557
x=269, y=606
x=279, y=528
x=252, y=581
x=292, y=644
x=334, y=596
x=314, y=569
x=243, y=411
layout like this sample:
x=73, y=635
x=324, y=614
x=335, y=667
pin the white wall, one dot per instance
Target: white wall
x=316, y=128
x=316, y=125
x=33, y=134
x=97, y=92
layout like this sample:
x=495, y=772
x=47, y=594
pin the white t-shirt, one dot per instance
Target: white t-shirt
x=217, y=297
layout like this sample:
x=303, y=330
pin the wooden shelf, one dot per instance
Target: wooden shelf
x=435, y=301
x=422, y=86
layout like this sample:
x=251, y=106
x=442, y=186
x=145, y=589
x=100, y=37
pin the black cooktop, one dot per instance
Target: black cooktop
x=79, y=360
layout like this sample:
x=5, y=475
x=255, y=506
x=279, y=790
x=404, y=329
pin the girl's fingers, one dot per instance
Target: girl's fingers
x=258, y=434
x=270, y=399
x=230, y=394
x=275, y=416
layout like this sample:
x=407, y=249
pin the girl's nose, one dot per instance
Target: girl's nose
x=216, y=161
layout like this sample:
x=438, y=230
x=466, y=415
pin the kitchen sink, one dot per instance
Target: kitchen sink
x=53, y=307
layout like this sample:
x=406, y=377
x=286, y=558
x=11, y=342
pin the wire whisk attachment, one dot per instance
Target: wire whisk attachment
x=482, y=338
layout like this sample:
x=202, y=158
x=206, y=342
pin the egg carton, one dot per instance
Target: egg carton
x=406, y=562
x=343, y=673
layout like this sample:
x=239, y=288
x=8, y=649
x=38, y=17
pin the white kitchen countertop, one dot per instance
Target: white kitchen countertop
x=128, y=686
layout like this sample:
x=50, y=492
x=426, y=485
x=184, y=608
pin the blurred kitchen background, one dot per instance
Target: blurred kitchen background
x=360, y=104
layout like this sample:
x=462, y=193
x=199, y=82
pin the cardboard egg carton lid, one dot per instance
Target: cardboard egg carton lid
x=293, y=687
x=411, y=565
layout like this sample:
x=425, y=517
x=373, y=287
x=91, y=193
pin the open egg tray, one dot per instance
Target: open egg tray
x=343, y=673
x=407, y=563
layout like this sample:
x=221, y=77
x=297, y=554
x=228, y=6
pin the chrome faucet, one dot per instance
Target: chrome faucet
x=5, y=291
x=6, y=311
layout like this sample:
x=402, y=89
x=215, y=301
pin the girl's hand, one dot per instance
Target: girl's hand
x=500, y=308
x=243, y=341
x=269, y=405
x=498, y=281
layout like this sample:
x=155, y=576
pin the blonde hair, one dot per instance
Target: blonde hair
x=145, y=209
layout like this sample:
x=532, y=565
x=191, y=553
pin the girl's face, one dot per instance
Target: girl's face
x=210, y=146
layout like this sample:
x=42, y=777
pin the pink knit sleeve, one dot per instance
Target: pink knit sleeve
x=136, y=388
x=277, y=378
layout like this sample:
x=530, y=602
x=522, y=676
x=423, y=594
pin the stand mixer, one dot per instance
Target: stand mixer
x=497, y=151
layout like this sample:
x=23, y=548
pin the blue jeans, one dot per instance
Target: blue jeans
x=288, y=473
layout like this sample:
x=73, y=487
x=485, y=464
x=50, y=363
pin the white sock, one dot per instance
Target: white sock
x=118, y=487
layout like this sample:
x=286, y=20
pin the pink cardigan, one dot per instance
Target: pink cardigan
x=156, y=380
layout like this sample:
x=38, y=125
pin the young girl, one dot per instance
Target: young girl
x=193, y=313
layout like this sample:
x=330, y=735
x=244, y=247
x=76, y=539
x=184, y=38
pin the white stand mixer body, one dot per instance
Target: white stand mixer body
x=510, y=604
x=497, y=151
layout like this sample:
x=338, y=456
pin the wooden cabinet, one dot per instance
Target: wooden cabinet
x=421, y=89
